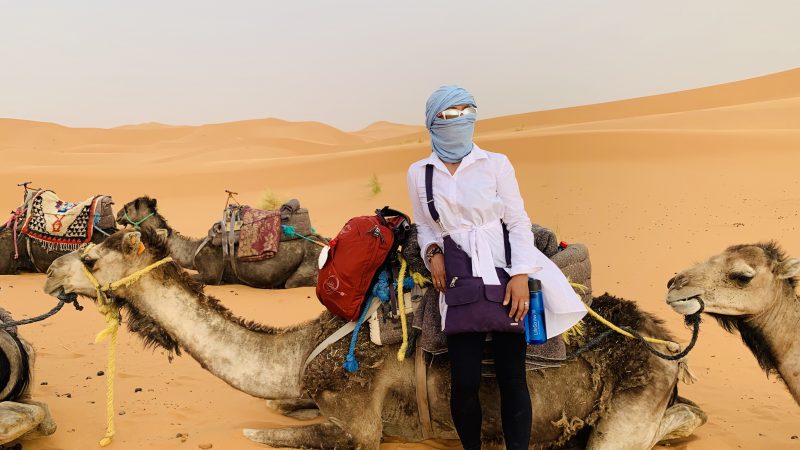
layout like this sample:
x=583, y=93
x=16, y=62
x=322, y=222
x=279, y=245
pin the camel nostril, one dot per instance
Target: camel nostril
x=671, y=282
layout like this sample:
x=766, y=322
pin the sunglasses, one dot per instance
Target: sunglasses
x=454, y=113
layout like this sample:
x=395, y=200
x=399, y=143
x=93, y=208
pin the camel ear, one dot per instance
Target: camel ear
x=132, y=243
x=152, y=203
x=162, y=234
x=789, y=268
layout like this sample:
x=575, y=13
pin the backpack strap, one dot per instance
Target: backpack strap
x=389, y=212
x=435, y=214
x=338, y=334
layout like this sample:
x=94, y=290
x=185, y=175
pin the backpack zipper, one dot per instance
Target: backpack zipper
x=376, y=232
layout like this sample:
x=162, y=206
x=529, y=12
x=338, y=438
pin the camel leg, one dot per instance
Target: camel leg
x=17, y=419
x=634, y=417
x=359, y=413
x=680, y=420
x=297, y=408
x=318, y=436
x=305, y=275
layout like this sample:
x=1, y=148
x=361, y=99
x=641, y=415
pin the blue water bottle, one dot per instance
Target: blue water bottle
x=535, y=332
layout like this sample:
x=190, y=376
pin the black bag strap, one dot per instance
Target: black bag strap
x=429, y=194
x=506, y=244
x=436, y=218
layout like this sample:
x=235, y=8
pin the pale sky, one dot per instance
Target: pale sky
x=349, y=63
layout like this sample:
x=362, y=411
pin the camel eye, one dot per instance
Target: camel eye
x=89, y=263
x=740, y=278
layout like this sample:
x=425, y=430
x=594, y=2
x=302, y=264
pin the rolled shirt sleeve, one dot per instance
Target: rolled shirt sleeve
x=426, y=234
x=523, y=250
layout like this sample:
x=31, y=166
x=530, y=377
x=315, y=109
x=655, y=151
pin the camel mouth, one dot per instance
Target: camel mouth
x=685, y=305
x=67, y=296
x=62, y=292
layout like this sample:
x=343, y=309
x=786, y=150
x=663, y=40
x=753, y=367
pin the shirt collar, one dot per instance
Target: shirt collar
x=476, y=154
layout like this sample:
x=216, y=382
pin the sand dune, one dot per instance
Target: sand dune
x=387, y=130
x=651, y=185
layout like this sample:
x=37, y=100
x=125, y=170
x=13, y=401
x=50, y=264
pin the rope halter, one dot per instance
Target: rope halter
x=112, y=316
x=136, y=223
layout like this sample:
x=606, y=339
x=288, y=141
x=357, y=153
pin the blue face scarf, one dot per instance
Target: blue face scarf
x=451, y=139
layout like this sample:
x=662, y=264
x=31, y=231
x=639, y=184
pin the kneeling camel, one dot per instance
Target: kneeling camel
x=618, y=396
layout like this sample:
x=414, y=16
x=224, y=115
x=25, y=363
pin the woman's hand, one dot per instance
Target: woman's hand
x=519, y=297
x=437, y=272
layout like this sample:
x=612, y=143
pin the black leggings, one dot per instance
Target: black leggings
x=466, y=351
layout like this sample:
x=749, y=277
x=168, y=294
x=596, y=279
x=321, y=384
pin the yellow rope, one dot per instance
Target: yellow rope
x=420, y=279
x=111, y=330
x=619, y=330
x=576, y=331
x=134, y=277
x=112, y=316
x=401, y=354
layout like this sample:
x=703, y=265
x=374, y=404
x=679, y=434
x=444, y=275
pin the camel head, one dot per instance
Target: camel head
x=141, y=212
x=119, y=256
x=743, y=281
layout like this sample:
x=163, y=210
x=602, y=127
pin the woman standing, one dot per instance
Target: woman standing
x=476, y=240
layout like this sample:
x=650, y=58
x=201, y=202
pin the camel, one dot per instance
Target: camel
x=20, y=417
x=295, y=264
x=29, y=254
x=749, y=288
x=618, y=396
x=33, y=257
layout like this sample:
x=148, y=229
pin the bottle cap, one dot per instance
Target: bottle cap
x=534, y=284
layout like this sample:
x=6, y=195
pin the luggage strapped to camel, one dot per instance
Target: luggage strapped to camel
x=58, y=225
x=364, y=246
x=247, y=234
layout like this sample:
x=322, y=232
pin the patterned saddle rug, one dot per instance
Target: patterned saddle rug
x=290, y=214
x=65, y=226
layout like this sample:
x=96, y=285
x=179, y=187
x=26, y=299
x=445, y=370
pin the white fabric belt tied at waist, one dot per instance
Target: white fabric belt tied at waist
x=481, y=250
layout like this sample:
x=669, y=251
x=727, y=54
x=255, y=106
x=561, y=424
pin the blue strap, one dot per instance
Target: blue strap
x=350, y=362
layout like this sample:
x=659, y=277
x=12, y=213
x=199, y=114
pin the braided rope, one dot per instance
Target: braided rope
x=111, y=313
x=41, y=317
x=401, y=353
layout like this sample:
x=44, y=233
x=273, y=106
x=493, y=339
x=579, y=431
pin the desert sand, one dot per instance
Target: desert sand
x=651, y=185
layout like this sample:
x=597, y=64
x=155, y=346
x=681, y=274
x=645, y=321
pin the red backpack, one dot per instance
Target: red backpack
x=361, y=248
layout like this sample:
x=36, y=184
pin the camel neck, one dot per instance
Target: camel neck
x=778, y=327
x=262, y=362
x=182, y=249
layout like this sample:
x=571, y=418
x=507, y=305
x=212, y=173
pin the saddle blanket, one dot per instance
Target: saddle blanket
x=60, y=225
x=259, y=235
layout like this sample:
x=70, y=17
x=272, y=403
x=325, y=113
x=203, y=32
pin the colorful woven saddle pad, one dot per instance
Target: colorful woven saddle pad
x=60, y=225
x=296, y=218
x=259, y=234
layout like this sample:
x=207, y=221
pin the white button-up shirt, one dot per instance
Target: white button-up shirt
x=471, y=203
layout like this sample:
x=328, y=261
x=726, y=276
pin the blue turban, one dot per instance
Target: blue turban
x=451, y=139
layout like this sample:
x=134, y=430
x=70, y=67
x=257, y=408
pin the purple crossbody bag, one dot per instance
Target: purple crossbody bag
x=472, y=306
